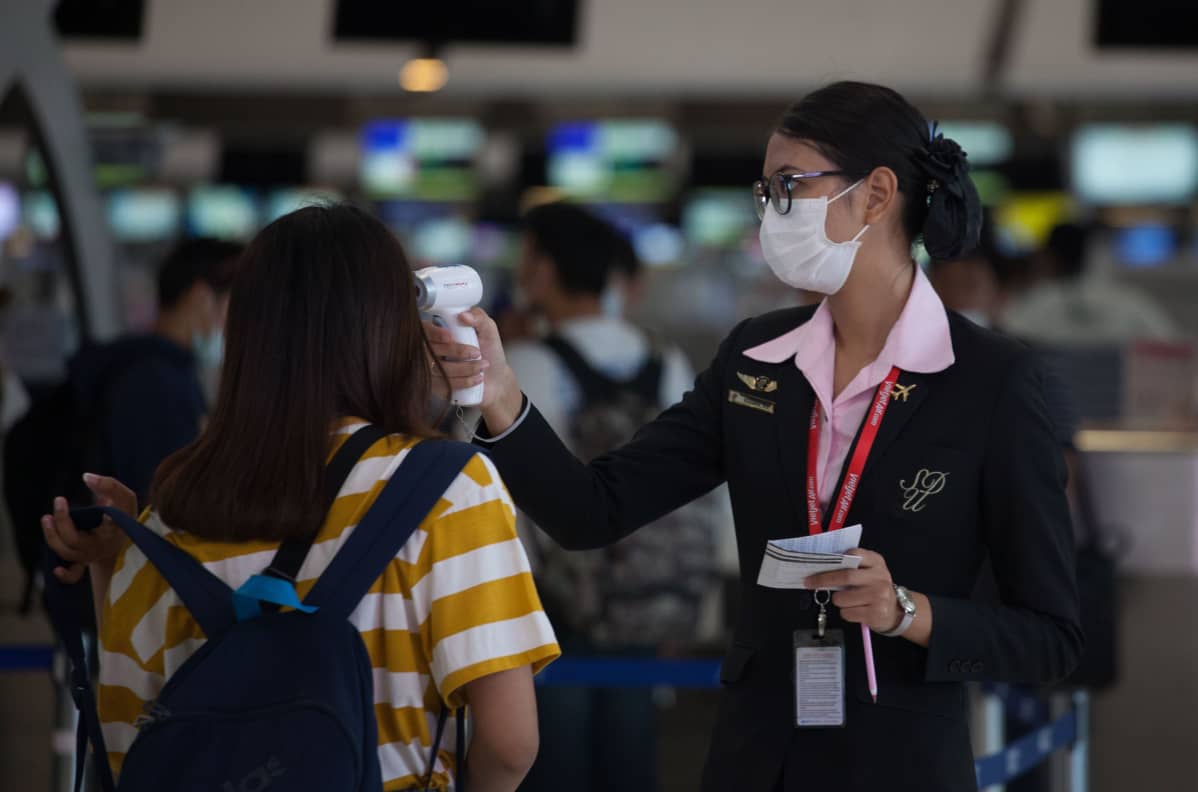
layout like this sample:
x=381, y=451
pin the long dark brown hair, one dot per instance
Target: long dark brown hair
x=322, y=324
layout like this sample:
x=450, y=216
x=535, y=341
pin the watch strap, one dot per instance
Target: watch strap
x=905, y=623
x=902, y=628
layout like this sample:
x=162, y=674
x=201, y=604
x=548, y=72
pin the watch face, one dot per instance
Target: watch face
x=905, y=601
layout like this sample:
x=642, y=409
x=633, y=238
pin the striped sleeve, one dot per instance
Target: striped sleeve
x=131, y=663
x=484, y=613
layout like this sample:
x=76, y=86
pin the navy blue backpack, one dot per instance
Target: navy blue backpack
x=276, y=701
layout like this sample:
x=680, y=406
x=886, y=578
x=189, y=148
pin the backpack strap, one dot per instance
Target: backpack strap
x=66, y=605
x=647, y=382
x=597, y=386
x=459, y=772
x=408, y=497
x=413, y=490
x=460, y=753
x=207, y=598
x=292, y=552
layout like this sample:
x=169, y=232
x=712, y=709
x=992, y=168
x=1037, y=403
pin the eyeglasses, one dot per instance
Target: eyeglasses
x=777, y=190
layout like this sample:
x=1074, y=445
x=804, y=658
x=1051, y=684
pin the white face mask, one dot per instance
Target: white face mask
x=612, y=302
x=797, y=248
x=209, y=348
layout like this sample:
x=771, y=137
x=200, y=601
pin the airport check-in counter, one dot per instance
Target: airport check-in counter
x=1144, y=487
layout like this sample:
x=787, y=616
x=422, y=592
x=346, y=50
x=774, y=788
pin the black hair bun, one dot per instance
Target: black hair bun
x=944, y=160
x=954, y=220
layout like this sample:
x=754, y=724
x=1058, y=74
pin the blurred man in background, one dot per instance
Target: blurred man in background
x=1078, y=306
x=971, y=284
x=625, y=288
x=570, y=259
x=146, y=390
x=597, y=377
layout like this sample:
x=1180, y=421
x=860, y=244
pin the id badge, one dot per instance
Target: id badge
x=819, y=678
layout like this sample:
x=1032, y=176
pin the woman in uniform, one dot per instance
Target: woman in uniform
x=877, y=407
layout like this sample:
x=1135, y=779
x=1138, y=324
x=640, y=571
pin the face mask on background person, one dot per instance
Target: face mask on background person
x=611, y=302
x=797, y=248
x=209, y=348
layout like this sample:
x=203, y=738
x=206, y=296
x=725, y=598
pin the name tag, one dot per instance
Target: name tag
x=819, y=679
x=752, y=402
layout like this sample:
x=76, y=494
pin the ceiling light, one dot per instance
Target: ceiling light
x=424, y=75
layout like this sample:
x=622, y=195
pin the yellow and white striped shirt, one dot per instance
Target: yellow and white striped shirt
x=456, y=604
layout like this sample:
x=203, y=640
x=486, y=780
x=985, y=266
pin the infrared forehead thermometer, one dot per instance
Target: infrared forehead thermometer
x=443, y=294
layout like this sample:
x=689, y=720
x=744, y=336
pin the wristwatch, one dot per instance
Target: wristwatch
x=907, y=606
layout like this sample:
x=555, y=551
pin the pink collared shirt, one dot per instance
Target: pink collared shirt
x=919, y=342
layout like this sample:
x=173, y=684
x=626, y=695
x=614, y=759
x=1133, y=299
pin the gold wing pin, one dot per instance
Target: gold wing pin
x=759, y=384
x=903, y=391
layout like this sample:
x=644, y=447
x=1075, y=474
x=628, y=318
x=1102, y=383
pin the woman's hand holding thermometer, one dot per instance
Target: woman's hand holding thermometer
x=474, y=364
x=444, y=294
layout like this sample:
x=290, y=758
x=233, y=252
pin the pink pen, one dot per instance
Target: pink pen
x=870, y=674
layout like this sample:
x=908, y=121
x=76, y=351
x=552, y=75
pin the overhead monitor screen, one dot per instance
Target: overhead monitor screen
x=494, y=245
x=656, y=243
x=421, y=159
x=719, y=217
x=122, y=155
x=1119, y=165
x=984, y=142
x=431, y=233
x=281, y=202
x=224, y=211
x=144, y=215
x=1145, y=246
x=992, y=186
x=616, y=161
x=39, y=211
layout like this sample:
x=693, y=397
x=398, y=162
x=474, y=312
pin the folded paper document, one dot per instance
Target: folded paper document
x=789, y=562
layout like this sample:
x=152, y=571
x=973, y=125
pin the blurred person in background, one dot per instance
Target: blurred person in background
x=570, y=261
x=977, y=285
x=960, y=464
x=126, y=405
x=601, y=377
x=147, y=390
x=1075, y=305
x=970, y=284
x=625, y=288
x=325, y=337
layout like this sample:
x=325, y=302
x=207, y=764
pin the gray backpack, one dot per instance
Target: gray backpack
x=646, y=589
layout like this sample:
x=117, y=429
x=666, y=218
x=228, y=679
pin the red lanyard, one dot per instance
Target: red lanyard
x=852, y=477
